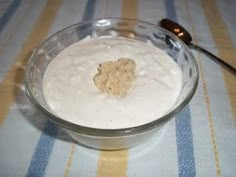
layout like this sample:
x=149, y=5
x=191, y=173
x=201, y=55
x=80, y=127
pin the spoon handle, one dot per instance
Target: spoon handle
x=215, y=58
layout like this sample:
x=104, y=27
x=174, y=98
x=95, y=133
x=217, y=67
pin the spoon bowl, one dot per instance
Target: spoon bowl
x=185, y=36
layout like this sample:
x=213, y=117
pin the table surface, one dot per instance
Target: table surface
x=199, y=142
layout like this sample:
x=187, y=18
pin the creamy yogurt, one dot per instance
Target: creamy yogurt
x=71, y=94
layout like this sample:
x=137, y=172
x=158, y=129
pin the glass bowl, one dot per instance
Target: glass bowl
x=111, y=139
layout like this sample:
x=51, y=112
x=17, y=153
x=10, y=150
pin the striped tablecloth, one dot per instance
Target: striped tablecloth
x=200, y=142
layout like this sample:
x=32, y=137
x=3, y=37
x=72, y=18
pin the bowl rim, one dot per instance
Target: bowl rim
x=90, y=131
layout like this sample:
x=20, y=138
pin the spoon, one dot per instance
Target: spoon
x=183, y=34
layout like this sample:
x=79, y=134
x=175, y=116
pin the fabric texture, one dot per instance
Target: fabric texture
x=200, y=141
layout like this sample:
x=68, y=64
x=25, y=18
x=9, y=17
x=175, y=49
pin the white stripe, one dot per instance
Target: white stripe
x=114, y=8
x=70, y=12
x=84, y=162
x=201, y=135
x=155, y=156
x=151, y=11
x=100, y=9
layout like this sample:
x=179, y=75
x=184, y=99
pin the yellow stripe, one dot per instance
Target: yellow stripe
x=225, y=46
x=15, y=28
x=115, y=163
x=206, y=97
x=112, y=163
x=130, y=9
x=16, y=74
x=69, y=161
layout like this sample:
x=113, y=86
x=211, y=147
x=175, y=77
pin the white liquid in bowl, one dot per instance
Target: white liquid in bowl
x=70, y=92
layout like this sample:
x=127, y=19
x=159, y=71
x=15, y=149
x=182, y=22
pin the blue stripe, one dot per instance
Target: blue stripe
x=89, y=10
x=170, y=10
x=9, y=13
x=184, y=140
x=184, y=136
x=43, y=150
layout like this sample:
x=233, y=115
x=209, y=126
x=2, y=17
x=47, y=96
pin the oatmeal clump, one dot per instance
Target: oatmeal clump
x=115, y=78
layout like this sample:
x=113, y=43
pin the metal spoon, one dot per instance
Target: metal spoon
x=187, y=39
